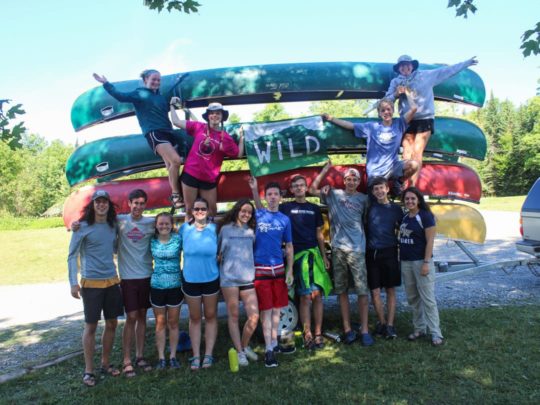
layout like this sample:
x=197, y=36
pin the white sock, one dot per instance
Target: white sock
x=274, y=343
x=269, y=348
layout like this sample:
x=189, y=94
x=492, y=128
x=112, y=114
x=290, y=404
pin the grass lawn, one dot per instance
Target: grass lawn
x=491, y=356
x=499, y=203
x=33, y=256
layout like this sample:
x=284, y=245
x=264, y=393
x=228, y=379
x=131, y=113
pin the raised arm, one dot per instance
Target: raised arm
x=342, y=123
x=177, y=122
x=439, y=75
x=314, y=187
x=255, y=192
x=130, y=97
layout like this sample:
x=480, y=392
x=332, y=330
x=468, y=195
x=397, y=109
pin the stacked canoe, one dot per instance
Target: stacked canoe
x=109, y=159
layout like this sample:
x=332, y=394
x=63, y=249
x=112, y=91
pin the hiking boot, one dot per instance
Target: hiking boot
x=380, y=329
x=390, y=332
x=251, y=355
x=350, y=337
x=242, y=359
x=270, y=359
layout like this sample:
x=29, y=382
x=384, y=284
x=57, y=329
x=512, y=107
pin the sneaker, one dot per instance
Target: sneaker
x=284, y=349
x=367, y=339
x=380, y=329
x=242, y=359
x=391, y=332
x=350, y=337
x=270, y=359
x=251, y=355
x=173, y=363
x=162, y=364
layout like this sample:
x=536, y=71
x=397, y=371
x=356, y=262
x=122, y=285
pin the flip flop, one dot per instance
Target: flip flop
x=437, y=341
x=415, y=336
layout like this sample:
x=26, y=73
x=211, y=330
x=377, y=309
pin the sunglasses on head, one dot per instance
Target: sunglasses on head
x=203, y=209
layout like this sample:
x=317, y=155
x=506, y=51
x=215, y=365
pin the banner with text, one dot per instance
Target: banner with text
x=284, y=145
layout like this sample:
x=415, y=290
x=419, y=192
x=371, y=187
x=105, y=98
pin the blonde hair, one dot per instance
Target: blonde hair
x=384, y=101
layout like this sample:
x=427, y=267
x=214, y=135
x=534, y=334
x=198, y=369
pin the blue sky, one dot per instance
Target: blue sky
x=51, y=48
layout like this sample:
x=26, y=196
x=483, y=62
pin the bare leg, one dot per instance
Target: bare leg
x=161, y=324
x=345, y=312
x=230, y=294
x=210, y=322
x=317, y=311
x=190, y=194
x=128, y=334
x=211, y=197
x=420, y=143
x=249, y=298
x=89, y=346
x=410, y=168
x=140, y=333
x=107, y=340
x=305, y=316
x=363, y=308
x=266, y=320
x=391, y=304
x=276, y=312
x=377, y=304
x=173, y=317
x=172, y=163
x=195, y=316
x=408, y=146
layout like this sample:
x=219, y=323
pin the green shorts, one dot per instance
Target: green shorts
x=345, y=264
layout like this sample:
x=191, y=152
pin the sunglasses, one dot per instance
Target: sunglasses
x=203, y=209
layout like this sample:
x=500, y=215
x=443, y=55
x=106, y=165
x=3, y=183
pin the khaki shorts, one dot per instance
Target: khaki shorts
x=345, y=263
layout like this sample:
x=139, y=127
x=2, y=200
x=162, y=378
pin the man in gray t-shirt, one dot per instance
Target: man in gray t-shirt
x=347, y=209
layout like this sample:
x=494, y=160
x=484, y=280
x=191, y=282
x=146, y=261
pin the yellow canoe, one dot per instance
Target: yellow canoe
x=454, y=221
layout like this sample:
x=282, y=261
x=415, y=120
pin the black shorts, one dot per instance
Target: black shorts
x=416, y=126
x=169, y=297
x=191, y=181
x=96, y=300
x=199, y=289
x=155, y=138
x=383, y=268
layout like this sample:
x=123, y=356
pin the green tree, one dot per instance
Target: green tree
x=342, y=108
x=10, y=132
x=234, y=119
x=185, y=6
x=271, y=112
x=530, y=39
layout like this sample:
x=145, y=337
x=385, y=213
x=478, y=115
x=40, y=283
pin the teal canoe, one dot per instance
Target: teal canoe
x=123, y=155
x=261, y=84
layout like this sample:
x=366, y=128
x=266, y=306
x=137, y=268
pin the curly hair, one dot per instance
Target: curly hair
x=89, y=214
x=231, y=216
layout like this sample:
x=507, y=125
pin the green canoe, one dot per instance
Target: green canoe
x=272, y=83
x=123, y=155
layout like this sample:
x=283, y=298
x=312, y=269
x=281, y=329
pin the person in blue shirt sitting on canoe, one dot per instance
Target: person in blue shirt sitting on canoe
x=383, y=140
x=152, y=110
x=420, y=84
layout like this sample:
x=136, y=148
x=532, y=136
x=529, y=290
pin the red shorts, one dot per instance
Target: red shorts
x=136, y=294
x=272, y=293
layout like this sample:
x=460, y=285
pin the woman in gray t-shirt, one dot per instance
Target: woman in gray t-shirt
x=236, y=273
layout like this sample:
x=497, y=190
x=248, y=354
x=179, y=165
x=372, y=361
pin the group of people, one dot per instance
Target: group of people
x=255, y=254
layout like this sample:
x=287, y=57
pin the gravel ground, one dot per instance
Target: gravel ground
x=29, y=337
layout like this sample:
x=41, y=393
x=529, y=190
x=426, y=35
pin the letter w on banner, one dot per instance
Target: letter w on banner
x=275, y=147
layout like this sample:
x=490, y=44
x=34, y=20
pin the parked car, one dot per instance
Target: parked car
x=530, y=222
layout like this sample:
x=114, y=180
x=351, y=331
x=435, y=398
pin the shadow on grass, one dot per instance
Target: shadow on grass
x=490, y=356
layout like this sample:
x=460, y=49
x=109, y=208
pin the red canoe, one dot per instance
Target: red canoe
x=437, y=180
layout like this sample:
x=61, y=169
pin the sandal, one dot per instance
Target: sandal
x=194, y=363
x=143, y=364
x=208, y=361
x=437, y=341
x=318, y=342
x=89, y=379
x=415, y=336
x=128, y=371
x=309, y=344
x=110, y=370
x=176, y=200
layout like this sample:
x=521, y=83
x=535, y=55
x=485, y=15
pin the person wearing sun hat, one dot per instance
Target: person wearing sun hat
x=211, y=145
x=99, y=286
x=419, y=83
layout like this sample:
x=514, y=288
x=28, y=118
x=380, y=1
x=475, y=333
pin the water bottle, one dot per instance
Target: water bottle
x=298, y=339
x=334, y=336
x=233, y=360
